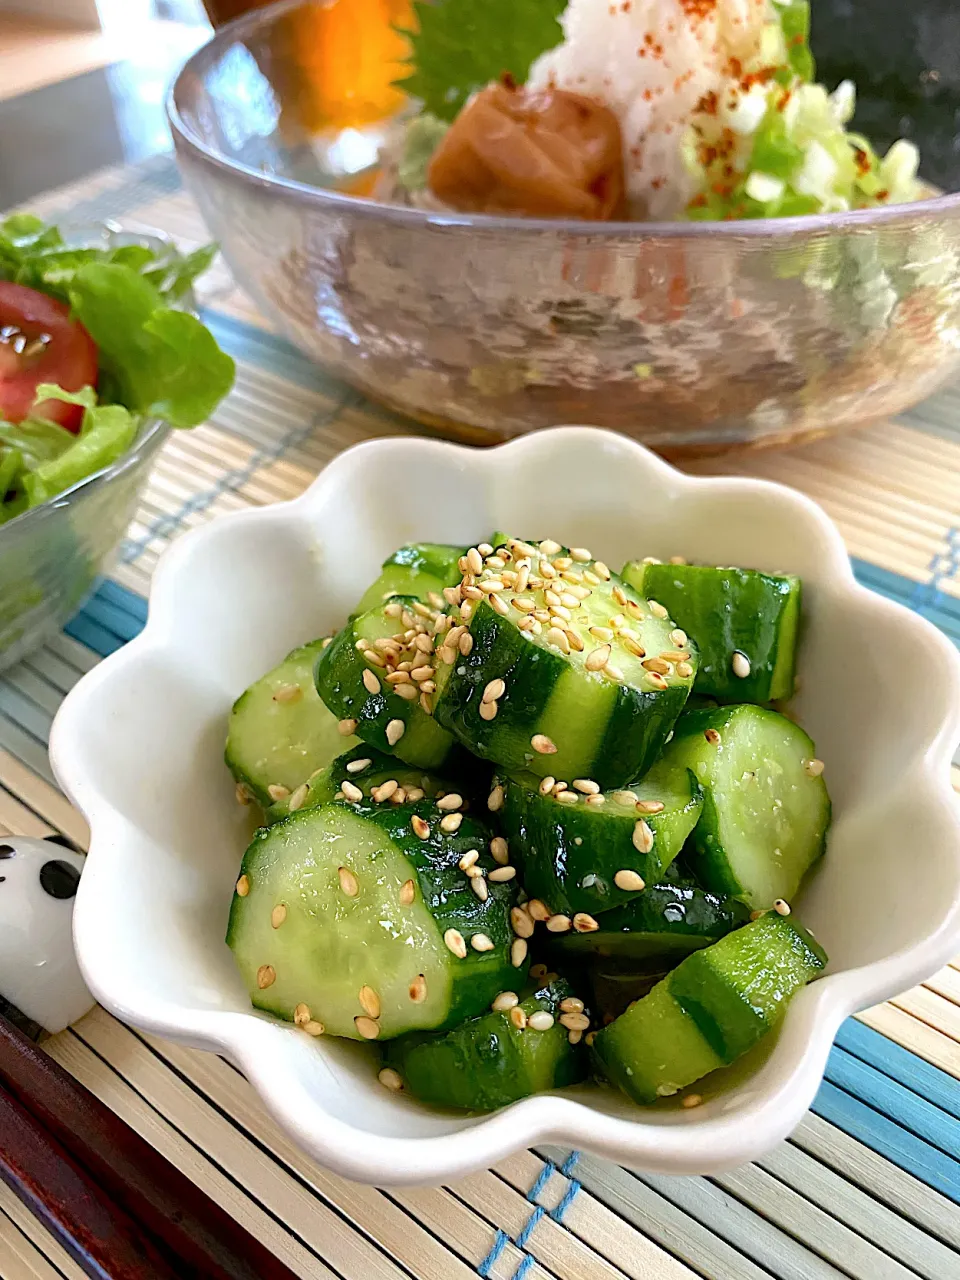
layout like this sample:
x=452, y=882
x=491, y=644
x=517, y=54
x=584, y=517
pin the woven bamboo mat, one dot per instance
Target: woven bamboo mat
x=869, y=1185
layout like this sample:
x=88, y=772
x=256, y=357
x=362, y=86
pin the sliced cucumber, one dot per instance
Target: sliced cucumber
x=493, y=1060
x=744, y=622
x=360, y=678
x=714, y=1006
x=659, y=926
x=592, y=679
x=367, y=770
x=421, y=569
x=343, y=913
x=581, y=853
x=280, y=731
x=765, y=809
x=616, y=984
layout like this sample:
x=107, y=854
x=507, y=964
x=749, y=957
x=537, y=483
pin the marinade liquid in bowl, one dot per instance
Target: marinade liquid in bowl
x=692, y=244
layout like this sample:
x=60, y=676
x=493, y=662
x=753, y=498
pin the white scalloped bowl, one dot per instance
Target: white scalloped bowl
x=138, y=746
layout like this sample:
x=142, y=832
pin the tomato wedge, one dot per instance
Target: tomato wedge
x=40, y=343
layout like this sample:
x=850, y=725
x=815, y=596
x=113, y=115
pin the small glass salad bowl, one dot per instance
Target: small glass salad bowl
x=78, y=501
x=688, y=336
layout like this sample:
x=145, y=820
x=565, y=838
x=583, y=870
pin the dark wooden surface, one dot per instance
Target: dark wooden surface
x=116, y=1204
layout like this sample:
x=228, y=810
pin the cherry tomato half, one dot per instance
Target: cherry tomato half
x=40, y=343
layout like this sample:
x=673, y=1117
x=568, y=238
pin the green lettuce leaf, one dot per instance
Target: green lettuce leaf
x=461, y=45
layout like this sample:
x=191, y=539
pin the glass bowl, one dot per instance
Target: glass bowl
x=52, y=555
x=691, y=338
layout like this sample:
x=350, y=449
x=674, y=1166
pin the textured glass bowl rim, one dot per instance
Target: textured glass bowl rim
x=190, y=142
x=151, y=436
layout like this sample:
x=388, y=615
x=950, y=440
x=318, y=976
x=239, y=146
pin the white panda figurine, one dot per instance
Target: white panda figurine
x=39, y=976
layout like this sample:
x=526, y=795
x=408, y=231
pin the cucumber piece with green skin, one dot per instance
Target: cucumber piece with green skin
x=366, y=769
x=280, y=731
x=420, y=569
x=765, y=806
x=353, y=676
x=541, y=635
x=712, y=1008
x=572, y=854
x=322, y=914
x=730, y=612
x=489, y=1062
x=660, y=926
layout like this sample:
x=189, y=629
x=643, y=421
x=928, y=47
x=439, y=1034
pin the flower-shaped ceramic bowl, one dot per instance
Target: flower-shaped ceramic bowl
x=138, y=746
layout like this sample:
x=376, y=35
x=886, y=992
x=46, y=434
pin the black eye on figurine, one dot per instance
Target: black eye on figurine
x=41, y=988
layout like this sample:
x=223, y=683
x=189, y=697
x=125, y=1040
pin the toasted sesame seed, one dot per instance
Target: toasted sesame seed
x=451, y=823
x=266, y=976
x=407, y=691
x=712, y=736
x=740, y=664
x=453, y=939
x=656, y=664
x=348, y=882
x=550, y=548
x=276, y=791
x=395, y=731
x=479, y=886
x=674, y=655
x=521, y=923
x=407, y=892
x=624, y=797
x=684, y=670
x=587, y=786
x=650, y=806
x=547, y=570
x=385, y=790
x=390, y=1079
x=780, y=907
x=598, y=658
x=629, y=881
x=614, y=673
x=466, y=611
x=558, y=638
x=419, y=674
x=287, y=693
x=618, y=593
x=596, y=800
x=562, y=563
x=518, y=952
x=691, y=1100
x=313, y=1027
x=575, y=1021
x=358, y=766
x=369, y=1001
x=584, y=923
x=488, y=710
x=468, y=860
x=567, y=797
x=368, y=1028
x=301, y=1014
x=602, y=633
x=559, y=614
x=657, y=609
x=543, y=745
x=480, y=942
x=243, y=794
x=538, y=972
x=540, y=1021
x=453, y=800
x=633, y=646
x=601, y=570
x=813, y=768
x=499, y=606
x=502, y=874
x=500, y=850
x=474, y=561
x=504, y=1001
x=489, y=585
x=538, y=910
x=571, y=1004
x=679, y=638
x=518, y=1018
x=351, y=791
x=657, y=680
x=495, y=799
x=546, y=784
x=581, y=555
x=370, y=681
x=559, y=923
x=420, y=828
x=378, y=660
x=642, y=836
x=278, y=915
x=399, y=796
x=417, y=990
x=413, y=794
x=297, y=797
x=243, y=886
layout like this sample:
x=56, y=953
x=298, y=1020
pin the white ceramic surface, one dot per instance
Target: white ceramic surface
x=138, y=746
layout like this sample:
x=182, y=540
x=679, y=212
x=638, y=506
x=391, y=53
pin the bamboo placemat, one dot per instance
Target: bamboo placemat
x=869, y=1185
